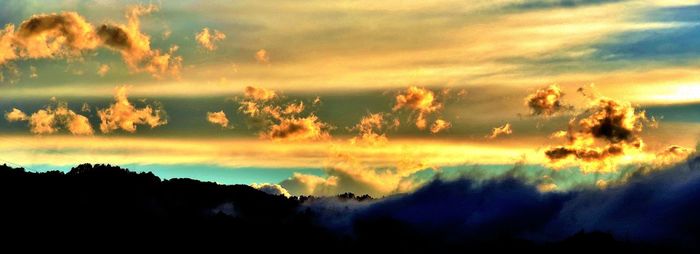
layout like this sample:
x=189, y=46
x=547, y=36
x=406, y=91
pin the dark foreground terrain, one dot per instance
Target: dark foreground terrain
x=109, y=208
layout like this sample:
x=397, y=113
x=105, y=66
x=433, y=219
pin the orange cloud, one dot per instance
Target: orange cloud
x=123, y=115
x=615, y=124
x=16, y=115
x=54, y=35
x=259, y=93
x=103, y=69
x=671, y=155
x=218, y=118
x=293, y=108
x=501, y=130
x=282, y=122
x=295, y=129
x=67, y=34
x=7, y=44
x=262, y=57
x=545, y=101
x=207, y=39
x=50, y=120
x=419, y=100
x=439, y=126
x=368, y=129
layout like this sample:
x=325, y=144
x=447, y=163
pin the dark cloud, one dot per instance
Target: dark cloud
x=658, y=207
x=468, y=209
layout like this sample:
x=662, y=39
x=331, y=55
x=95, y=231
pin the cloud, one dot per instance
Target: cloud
x=218, y=118
x=439, y=126
x=615, y=124
x=85, y=107
x=293, y=108
x=545, y=101
x=123, y=115
x=469, y=210
x=103, y=70
x=208, y=39
x=50, y=120
x=296, y=129
x=54, y=35
x=421, y=101
x=477, y=212
x=305, y=184
x=262, y=56
x=272, y=189
x=32, y=72
x=16, y=115
x=249, y=108
x=349, y=173
x=7, y=47
x=259, y=93
x=67, y=35
x=672, y=155
x=281, y=122
x=368, y=130
x=501, y=130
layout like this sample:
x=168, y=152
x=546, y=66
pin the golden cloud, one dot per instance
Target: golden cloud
x=123, y=115
x=439, y=126
x=218, y=118
x=259, y=93
x=103, y=69
x=347, y=173
x=262, y=57
x=368, y=130
x=207, y=39
x=67, y=34
x=545, y=101
x=16, y=115
x=50, y=120
x=671, y=155
x=419, y=100
x=283, y=122
x=610, y=130
x=501, y=130
x=295, y=129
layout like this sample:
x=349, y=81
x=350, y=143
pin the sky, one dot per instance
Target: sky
x=376, y=97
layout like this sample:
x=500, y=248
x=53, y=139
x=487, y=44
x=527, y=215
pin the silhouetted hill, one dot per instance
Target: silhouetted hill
x=111, y=207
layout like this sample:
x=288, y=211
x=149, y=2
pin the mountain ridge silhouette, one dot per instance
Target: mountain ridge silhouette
x=104, y=205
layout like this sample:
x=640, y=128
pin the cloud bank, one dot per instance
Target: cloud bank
x=653, y=208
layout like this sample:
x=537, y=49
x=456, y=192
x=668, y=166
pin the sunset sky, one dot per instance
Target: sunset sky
x=378, y=97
